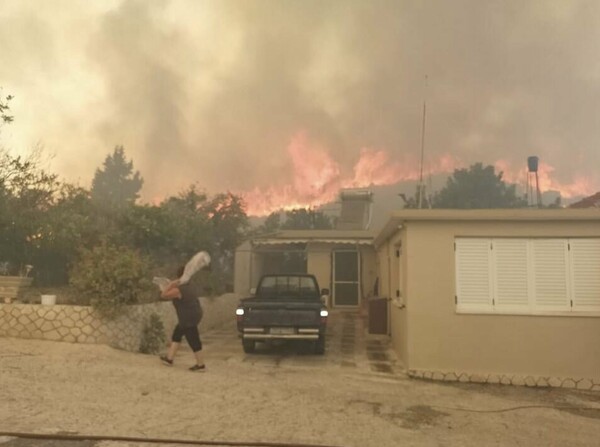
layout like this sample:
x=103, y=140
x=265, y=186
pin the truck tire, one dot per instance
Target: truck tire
x=320, y=345
x=248, y=346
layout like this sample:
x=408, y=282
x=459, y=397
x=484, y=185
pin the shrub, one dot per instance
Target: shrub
x=153, y=335
x=110, y=277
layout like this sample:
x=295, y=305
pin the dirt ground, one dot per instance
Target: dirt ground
x=354, y=395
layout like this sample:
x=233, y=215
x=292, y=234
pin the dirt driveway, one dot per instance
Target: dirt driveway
x=355, y=395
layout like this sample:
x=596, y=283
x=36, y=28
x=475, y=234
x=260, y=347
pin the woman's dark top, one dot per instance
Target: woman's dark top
x=189, y=312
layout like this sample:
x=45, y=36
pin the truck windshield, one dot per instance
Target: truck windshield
x=288, y=286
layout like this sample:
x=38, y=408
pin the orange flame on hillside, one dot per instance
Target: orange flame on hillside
x=580, y=186
x=316, y=178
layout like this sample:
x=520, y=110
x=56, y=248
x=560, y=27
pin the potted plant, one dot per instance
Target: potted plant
x=13, y=281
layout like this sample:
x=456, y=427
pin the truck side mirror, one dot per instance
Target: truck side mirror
x=324, y=292
x=253, y=291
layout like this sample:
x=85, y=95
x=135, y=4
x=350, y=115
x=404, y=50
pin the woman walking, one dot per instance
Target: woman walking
x=189, y=313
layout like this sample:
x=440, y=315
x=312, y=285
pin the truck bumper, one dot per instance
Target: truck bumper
x=280, y=336
x=299, y=334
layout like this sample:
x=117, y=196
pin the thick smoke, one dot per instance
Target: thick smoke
x=214, y=92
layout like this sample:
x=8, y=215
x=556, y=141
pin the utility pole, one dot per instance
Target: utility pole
x=421, y=186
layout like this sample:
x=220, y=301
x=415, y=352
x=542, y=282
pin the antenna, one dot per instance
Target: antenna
x=422, y=147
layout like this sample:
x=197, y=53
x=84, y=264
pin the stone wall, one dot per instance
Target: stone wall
x=509, y=379
x=80, y=324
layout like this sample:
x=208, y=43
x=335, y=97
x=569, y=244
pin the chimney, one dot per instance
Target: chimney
x=356, y=209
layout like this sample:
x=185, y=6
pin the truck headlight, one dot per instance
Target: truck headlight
x=324, y=313
x=239, y=312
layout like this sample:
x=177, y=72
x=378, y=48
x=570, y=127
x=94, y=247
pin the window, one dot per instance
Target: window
x=527, y=276
x=288, y=286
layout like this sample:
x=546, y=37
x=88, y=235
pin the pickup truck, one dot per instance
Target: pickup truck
x=284, y=307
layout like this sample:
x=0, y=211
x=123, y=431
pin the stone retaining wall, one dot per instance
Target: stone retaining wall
x=509, y=379
x=80, y=324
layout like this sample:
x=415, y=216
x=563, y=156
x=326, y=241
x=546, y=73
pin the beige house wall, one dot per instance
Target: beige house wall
x=247, y=269
x=384, y=265
x=242, y=268
x=392, y=271
x=368, y=270
x=439, y=339
x=319, y=263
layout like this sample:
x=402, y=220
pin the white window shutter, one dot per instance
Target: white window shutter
x=510, y=266
x=550, y=275
x=473, y=274
x=585, y=273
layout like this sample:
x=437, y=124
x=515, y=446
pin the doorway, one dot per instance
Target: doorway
x=346, y=278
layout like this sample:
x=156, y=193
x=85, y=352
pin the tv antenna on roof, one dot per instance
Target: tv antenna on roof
x=421, y=187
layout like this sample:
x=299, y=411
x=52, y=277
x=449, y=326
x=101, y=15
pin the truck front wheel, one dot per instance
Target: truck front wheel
x=248, y=346
x=320, y=345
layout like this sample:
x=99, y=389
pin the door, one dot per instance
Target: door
x=346, y=278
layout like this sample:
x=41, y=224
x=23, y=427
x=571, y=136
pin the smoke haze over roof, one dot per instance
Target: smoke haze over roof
x=233, y=95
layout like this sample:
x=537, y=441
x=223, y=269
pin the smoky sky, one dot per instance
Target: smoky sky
x=212, y=92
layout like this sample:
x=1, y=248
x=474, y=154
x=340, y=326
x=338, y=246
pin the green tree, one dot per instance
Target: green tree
x=188, y=228
x=271, y=224
x=115, y=185
x=477, y=187
x=71, y=223
x=306, y=219
x=149, y=229
x=229, y=226
x=26, y=196
x=111, y=277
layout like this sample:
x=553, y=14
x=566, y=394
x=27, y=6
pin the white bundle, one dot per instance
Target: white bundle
x=161, y=282
x=198, y=262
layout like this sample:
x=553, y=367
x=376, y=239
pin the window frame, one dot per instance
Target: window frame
x=533, y=306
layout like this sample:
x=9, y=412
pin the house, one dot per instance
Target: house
x=500, y=296
x=510, y=296
x=342, y=260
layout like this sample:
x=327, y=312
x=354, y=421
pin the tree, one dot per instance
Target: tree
x=71, y=222
x=412, y=202
x=187, y=226
x=26, y=196
x=4, y=109
x=271, y=224
x=306, y=219
x=116, y=186
x=229, y=223
x=477, y=187
x=111, y=277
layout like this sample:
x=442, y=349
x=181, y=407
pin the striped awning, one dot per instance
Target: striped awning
x=307, y=240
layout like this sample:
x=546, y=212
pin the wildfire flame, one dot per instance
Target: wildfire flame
x=317, y=178
x=580, y=186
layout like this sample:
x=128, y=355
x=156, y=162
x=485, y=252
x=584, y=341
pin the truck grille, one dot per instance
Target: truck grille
x=266, y=317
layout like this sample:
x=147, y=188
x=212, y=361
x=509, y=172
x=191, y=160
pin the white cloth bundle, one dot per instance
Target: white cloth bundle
x=194, y=265
x=161, y=282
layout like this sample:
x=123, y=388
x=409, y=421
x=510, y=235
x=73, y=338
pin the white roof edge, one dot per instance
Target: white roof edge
x=501, y=215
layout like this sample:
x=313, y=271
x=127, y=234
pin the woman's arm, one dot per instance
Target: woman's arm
x=171, y=292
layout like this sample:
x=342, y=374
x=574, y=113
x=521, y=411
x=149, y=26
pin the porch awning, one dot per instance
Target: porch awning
x=305, y=241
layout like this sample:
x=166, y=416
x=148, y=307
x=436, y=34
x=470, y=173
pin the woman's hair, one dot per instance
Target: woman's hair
x=180, y=270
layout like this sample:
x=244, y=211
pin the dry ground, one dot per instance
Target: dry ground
x=355, y=395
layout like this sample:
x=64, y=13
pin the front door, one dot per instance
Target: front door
x=346, y=278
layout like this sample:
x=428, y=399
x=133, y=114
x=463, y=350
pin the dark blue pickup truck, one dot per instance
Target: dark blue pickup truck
x=284, y=307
